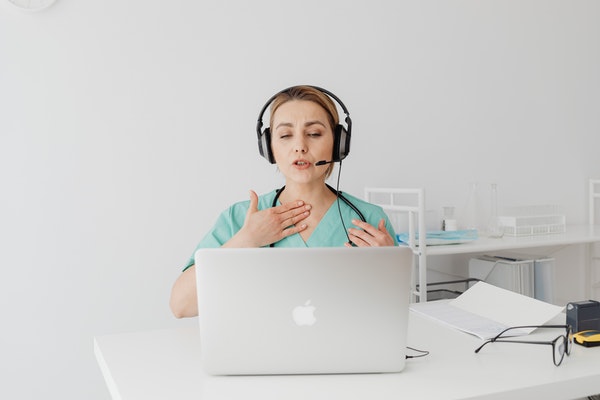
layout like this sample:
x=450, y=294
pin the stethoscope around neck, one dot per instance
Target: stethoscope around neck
x=339, y=196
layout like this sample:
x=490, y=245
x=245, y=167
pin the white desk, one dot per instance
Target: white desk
x=164, y=364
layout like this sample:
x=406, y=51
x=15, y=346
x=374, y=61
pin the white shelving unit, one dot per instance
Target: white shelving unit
x=592, y=272
x=392, y=201
x=582, y=234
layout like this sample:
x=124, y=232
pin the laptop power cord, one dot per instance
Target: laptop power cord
x=423, y=353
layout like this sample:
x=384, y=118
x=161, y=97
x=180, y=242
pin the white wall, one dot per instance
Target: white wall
x=126, y=126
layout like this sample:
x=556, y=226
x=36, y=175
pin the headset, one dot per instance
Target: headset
x=341, y=134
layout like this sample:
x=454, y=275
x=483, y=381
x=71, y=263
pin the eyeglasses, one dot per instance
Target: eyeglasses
x=560, y=346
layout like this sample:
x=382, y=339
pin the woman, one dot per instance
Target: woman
x=302, y=139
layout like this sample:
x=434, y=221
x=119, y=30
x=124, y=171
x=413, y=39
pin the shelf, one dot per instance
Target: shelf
x=575, y=234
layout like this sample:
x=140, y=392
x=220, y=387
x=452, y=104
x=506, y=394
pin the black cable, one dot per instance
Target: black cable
x=337, y=200
x=423, y=353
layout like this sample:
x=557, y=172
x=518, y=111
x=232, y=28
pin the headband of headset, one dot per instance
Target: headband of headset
x=341, y=134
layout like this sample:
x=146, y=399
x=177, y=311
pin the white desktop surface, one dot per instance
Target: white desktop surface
x=164, y=364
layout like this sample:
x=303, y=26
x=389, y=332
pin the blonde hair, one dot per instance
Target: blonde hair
x=309, y=93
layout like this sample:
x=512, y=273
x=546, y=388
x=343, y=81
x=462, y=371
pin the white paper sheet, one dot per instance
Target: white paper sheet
x=485, y=310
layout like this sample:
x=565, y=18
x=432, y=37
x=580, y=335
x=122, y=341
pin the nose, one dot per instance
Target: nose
x=300, y=145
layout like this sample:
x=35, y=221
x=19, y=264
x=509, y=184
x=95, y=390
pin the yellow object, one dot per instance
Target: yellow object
x=587, y=338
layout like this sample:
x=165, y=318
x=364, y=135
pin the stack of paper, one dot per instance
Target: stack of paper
x=485, y=310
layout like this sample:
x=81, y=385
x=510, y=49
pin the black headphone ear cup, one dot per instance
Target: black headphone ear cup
x=341, y=143
x=264, y=145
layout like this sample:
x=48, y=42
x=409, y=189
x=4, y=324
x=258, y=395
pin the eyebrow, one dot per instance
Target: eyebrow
x=316, y=122
x=307, y=124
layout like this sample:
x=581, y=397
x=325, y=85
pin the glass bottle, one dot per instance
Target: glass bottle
x=471, y=212
x=449, y=221
x=494, y=229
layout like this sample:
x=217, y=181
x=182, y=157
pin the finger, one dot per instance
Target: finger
x=295, y=219
x=292, y=230
x=296, y=215
x=370, y=229
x=388, y=240
x=359, y=241
x=253, y=202
x=291, y=206
x=369, y=235
x=291, y=213
x=359, y=234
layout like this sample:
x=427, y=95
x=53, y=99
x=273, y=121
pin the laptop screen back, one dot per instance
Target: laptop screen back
x=303, y=310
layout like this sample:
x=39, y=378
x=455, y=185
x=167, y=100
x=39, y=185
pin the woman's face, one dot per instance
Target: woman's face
x=300, y=137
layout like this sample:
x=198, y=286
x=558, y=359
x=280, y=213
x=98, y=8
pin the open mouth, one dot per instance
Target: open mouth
x=301, y=163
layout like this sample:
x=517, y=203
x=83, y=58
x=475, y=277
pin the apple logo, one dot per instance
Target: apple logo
x=304, y=315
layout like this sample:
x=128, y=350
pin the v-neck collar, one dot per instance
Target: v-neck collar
x=328, y=223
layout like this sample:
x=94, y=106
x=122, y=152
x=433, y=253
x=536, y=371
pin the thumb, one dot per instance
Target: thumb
x=253, y=202
x=381, y=225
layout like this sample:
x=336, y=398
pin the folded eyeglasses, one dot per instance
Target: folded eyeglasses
x=560, y=346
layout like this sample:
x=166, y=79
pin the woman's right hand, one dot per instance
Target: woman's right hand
x=263, y=227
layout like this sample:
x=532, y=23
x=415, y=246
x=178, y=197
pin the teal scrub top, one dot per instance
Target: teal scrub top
x=329, y=233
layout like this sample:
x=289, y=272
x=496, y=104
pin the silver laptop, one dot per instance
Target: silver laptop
x=303, y=310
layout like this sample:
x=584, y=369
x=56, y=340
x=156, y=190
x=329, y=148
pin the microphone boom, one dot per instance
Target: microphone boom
x=323, y=162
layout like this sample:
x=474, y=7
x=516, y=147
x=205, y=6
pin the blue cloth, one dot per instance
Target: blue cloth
x=434, y=238
x=329, y=233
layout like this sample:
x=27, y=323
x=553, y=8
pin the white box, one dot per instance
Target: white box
x=511, y=274
x=531, y=276
x=533, y=220
x=544, y=279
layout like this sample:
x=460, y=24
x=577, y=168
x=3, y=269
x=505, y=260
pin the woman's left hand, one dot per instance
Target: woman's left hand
x=368, y=235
